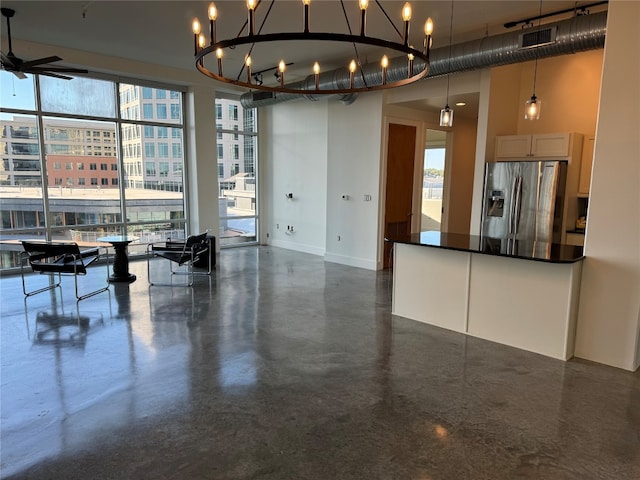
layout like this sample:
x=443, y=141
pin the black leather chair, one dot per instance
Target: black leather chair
x=182, y=253
x=59, y=258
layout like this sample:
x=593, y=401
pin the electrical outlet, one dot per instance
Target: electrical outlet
x=338, y=237
x=277, y=226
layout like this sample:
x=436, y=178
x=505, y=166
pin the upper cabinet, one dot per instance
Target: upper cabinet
x=550, y=145
x=586, y=166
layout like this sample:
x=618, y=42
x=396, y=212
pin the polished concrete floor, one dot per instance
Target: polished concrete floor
x=282, y=366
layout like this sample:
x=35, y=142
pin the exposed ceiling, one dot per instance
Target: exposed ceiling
x=160, y=31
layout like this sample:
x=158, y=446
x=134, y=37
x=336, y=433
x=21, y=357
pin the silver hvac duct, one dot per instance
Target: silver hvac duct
x=580, y=33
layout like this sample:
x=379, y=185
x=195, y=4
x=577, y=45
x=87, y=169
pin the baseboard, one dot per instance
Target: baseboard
x=297, y=247
x=351, y=261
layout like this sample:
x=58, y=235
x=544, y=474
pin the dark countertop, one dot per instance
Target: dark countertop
x=502, y=247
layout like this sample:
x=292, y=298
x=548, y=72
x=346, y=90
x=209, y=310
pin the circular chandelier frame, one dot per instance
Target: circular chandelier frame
x=357, y=78
x=313, y=36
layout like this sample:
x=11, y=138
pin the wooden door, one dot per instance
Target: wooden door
x=401, y=147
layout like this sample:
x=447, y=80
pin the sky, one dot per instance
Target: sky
x=434, y=158
x=15, y=92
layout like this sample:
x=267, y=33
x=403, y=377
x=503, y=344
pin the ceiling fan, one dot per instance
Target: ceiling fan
x=20, y=67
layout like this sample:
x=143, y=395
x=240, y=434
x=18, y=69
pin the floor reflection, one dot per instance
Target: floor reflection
x=283, y=365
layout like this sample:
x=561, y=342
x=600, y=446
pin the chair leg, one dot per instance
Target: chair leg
x=39, y=290
x=172, y=272
x=94, y=292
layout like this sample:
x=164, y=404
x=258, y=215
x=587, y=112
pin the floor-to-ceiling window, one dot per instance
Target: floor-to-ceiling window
x=86, y=157
x=236, y=134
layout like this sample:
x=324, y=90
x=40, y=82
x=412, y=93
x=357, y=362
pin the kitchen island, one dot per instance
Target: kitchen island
x=515, y=292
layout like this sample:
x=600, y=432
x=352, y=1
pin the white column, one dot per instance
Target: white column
x=609, y=312
x=202, y=168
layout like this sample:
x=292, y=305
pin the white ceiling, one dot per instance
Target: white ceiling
x=160, y=31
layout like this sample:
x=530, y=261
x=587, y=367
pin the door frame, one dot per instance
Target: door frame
x=416, y=204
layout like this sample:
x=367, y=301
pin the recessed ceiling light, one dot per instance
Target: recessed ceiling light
x=461, y=104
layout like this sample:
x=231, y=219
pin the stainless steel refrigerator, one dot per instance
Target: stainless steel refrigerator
x=524, y=200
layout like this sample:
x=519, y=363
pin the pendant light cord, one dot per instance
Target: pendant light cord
x=450, y=40
x=535, y=68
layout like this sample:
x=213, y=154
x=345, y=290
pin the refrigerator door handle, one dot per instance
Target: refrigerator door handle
x=512, y=206
x=517, y=204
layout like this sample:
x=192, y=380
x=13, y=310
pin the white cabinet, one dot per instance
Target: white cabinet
x=551, y=145
x=586, y=166
x=576, y=239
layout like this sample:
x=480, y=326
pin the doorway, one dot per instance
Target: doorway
x=401, y=152
x=433, y=180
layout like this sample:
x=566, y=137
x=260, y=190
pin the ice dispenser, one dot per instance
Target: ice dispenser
x=495, y=205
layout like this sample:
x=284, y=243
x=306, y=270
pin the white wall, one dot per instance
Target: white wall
x=293, y=159
x=609, y=313
x=320, y=151
x=354, y=139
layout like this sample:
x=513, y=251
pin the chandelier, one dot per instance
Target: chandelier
x=354, y=77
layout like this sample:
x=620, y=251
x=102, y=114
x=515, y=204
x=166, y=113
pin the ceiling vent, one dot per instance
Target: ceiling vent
x=539, y=38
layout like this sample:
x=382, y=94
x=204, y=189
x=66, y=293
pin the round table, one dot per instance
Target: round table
x=121, y=259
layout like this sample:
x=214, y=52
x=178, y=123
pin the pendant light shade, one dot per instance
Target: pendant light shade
x=446, y=117
x=532, y=108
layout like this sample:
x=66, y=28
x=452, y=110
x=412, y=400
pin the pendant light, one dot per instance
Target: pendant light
x=532, y=106
x=446, y=114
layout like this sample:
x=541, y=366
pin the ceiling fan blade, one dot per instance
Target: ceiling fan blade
x=55, y=75
x=20, y=75
x=55, y=69
x=6, y=60
x=40, y=61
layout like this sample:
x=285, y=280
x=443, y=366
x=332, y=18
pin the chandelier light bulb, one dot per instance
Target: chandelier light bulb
x=219, y=53
x=316, y=73
x=251, y=5
x=406, y=16
x=306, y=2
x=247, y=62
x=385, y=64
x=281, y=68
x=195, y=26
x=213, y=12
x=363, y=16
x=201, y=41
x=428, y=26
x=406, y=12
x=352, y=71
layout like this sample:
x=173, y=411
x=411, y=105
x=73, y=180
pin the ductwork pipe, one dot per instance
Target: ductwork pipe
x=580, y=33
